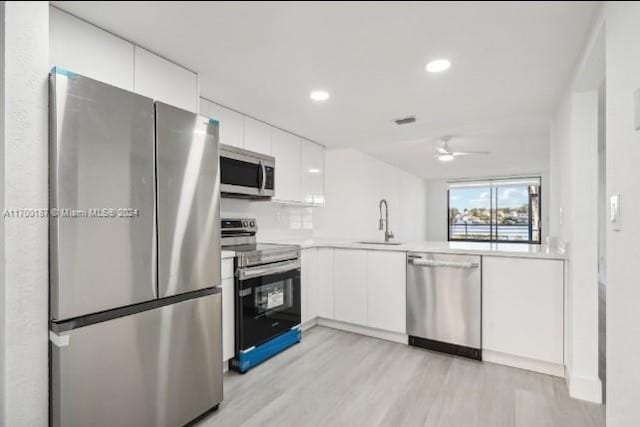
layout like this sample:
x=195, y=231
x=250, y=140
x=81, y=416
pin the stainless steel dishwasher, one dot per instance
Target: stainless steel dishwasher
x=444, y=303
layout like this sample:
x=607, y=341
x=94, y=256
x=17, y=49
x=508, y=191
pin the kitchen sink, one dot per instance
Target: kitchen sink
x=381, y=243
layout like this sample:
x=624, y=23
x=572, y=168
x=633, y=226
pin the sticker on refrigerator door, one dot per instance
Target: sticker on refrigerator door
x=59, y=340
x=64, y=72
x=275, y=299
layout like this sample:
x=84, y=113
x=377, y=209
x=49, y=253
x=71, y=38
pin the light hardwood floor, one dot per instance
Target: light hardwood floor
x=335, y=378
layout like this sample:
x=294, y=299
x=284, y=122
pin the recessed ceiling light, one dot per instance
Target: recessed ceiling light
x=446, y=157
x=438, y=65
x=319, y=95
x=314, y=170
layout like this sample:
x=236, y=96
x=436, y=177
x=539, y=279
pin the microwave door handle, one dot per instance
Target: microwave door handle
x=260, y=175
x=264, y=176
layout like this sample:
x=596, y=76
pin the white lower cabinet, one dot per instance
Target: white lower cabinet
x=350, y=286
x=228, y=310
x=308, y=261
x=324, y=288
x=362, y=287
x=386, y=291
x=522, y=308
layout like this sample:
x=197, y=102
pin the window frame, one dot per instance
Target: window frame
x=493, y=229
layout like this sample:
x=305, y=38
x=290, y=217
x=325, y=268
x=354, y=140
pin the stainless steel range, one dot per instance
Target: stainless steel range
x=267, y=294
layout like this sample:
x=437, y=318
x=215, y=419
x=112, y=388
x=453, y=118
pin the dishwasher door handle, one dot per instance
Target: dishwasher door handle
x=434, y=263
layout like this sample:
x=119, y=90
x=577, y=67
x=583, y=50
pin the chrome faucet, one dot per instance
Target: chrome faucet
x=384, y=222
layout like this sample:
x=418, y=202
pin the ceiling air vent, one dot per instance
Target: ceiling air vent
x=405, y=120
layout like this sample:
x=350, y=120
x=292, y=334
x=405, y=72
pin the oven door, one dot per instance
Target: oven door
x=267, y=302
x=244, y=173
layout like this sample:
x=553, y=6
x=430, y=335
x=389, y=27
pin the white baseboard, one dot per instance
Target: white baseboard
x=487, y=355
x=523, y=363
x=309, y=324
x=584, y=388
x=364, y=330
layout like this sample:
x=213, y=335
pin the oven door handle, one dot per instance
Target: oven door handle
x=265, y=270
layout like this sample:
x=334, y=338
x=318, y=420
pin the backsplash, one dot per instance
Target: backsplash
x=275, y=220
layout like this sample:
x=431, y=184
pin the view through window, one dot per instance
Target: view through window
x=505, y=210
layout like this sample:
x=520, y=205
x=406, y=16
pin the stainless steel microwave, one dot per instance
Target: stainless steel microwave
x=246, y=174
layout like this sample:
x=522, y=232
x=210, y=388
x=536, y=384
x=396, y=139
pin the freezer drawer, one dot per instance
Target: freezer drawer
x=102, y=241
x=161, y=367
x=188, y=201
x=444, y=300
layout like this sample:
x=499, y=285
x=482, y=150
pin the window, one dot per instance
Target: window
x=506, y=210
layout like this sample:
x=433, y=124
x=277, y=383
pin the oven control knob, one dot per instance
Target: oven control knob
x=245, y=223
x=252, y=223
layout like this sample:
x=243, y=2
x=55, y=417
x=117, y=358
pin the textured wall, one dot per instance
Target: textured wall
x=24, y=300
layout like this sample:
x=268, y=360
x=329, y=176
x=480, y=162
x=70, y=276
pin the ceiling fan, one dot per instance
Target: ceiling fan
x=444, y=154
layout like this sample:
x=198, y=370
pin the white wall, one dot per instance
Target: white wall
x=602, y=186
x=354, y=184
x=574, y=218
x=23, y=268
x=623, y=176
x=437, y=206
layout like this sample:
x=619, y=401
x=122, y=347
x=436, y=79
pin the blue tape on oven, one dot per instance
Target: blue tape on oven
x=64, y=72
x=214, y=122
x=249, y=359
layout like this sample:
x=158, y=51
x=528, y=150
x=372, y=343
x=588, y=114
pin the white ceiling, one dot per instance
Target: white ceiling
x=511, y=61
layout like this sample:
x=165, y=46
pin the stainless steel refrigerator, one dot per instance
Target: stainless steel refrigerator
x=134, y=258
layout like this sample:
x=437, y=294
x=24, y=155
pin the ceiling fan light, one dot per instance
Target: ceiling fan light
x=447, y=157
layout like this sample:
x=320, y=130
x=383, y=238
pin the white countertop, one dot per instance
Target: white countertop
x=517, y=250
x=227, y=254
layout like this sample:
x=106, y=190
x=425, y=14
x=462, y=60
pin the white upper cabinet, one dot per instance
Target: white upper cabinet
x=90, y=51
x=165, y=81
x=286, y=150
x=205, y=107
x=350, y=286
x=299, y=162
x=312, y=171
x=257, y=136
x=232, y=127
x=387, y=291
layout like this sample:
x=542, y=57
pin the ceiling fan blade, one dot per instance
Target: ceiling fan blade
x=469, y=153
